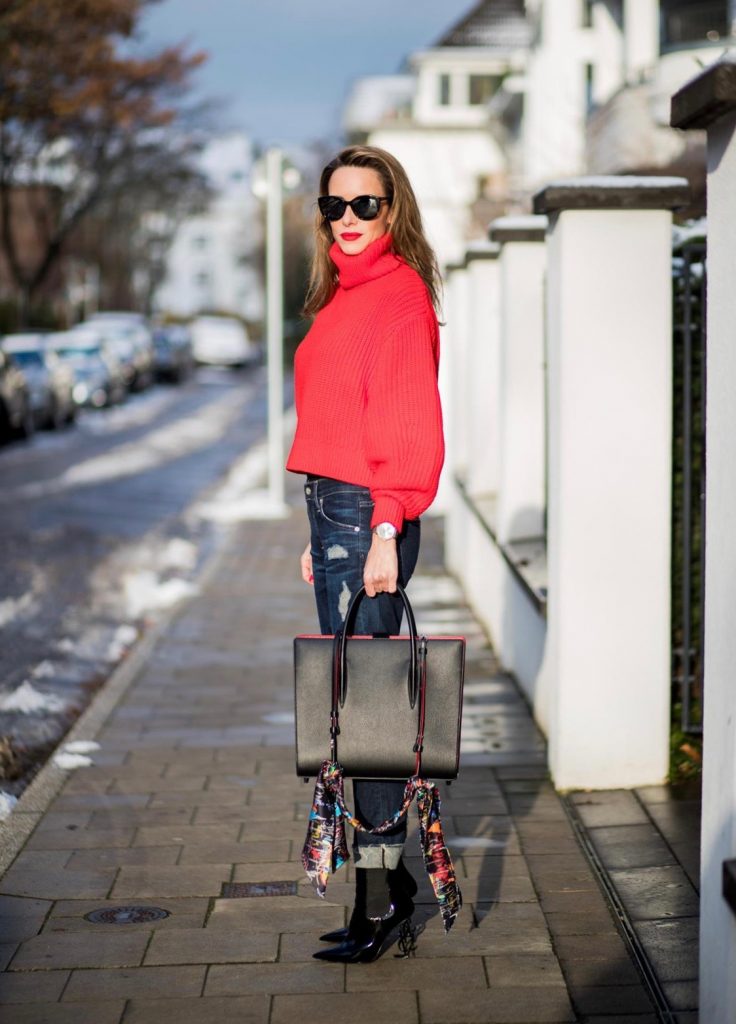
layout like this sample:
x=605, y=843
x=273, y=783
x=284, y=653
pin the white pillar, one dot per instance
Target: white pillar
x=275, y=328
x=641, y=37
x=609, y=478
x=481, y=262
x=521, y=492
x=456, y=361
x=709, y=101
x=454, y=393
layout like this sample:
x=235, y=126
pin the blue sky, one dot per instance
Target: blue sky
x=285, y=66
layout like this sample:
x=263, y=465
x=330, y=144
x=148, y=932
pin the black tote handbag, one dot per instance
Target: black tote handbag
x=383, y=707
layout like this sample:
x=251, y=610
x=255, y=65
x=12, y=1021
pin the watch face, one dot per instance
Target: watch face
x=386, y=531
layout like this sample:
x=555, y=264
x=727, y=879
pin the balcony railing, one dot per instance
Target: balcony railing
x=703, y=21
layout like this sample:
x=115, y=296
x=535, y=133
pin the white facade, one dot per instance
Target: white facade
x=444, y=134
x=601, y=70
x=446, y=167
x=210, y=265
x=574, y=64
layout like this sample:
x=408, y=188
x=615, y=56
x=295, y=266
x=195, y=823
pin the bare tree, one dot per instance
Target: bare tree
x=86, y=120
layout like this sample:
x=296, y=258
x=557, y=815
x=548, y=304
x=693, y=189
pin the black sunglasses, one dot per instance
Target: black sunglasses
x=364, y=207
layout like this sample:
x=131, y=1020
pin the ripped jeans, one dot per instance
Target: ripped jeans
x=339, y=520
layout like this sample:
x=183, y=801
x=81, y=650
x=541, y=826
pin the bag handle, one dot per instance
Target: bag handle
x=340, y=654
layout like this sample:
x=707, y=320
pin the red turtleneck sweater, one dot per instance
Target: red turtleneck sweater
x=368, y=408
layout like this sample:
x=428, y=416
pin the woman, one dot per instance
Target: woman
x=369, y=439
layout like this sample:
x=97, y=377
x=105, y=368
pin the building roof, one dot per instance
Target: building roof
x=495, y=24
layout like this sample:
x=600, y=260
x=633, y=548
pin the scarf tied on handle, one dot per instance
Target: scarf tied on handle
x=326, y=850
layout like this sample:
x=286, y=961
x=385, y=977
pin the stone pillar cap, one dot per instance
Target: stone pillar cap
x=613, y=192
x=481, y=251
x=523, y=228
x=708, y=96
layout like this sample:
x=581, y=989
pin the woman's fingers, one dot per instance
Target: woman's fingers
x=381, y=570
x=306, y=565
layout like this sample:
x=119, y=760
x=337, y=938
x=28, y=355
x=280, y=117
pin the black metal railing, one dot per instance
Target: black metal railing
x=697, y=21
x=688, y=493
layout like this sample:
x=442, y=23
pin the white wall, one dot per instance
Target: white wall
x=555, y=110
x=444, y=166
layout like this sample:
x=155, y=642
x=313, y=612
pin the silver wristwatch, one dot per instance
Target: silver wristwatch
x=386, y=531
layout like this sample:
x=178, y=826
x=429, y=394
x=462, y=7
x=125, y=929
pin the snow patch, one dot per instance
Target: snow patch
x=7, y=803
x=145, y=592
x=80, y=747
x=44, y=670
x=241, y=496
x=124, y=638
x=14, y=607
x=27, y=699
x=179, y=554
x=65, y=645
x=66, y=761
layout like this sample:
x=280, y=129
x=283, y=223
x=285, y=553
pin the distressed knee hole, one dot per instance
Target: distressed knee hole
x=343, y=602
x=337, y=551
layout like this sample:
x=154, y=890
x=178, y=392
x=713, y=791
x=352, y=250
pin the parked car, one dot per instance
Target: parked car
x=131, y=339
x=50, y=381
x=222, y=341
x=98, y=376
x=173, y=358
x=16, y=413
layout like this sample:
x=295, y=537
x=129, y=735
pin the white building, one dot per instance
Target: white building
x=439, y=121
x=599, y=80
x=212, y=262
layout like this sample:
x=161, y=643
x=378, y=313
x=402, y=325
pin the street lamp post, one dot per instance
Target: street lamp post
x=275, y=326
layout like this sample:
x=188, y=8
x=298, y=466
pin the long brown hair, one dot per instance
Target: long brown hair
x=406, y=226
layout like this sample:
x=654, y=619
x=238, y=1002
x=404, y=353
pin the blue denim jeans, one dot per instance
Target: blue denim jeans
x=339, y=520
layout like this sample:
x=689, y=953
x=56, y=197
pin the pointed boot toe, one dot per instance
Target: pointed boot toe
x=339, y=936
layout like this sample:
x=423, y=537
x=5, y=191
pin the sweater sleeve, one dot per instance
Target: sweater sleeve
x=403, y=438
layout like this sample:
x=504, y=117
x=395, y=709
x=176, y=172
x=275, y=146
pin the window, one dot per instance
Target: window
x=444, y=81
x=589, y=88
x=684, y=22
x=202, y=279
x=482, y=88
x=587, y=14
x=199, y=242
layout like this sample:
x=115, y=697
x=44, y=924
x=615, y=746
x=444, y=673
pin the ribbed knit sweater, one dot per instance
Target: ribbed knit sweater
x=368, y=408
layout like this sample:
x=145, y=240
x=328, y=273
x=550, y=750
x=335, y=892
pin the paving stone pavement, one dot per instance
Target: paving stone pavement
x=194, y=787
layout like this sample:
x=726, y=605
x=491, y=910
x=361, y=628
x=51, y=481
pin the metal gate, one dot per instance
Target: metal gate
x=688, y=494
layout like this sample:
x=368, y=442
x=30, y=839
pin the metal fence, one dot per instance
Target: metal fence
x=688, y=495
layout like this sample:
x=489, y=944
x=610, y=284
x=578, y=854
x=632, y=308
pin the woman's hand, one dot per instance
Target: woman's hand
x=306, y=564
x=381, y=571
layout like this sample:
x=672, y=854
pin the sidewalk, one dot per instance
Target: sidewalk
x=193, y=788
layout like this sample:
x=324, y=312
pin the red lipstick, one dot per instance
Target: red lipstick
x=350, y=236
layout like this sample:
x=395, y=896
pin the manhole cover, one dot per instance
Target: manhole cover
x=244, y=890
x=126, y=915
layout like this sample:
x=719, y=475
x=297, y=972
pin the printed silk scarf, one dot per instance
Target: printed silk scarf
x=326, y=849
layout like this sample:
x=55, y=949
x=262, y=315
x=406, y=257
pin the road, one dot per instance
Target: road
x=100, y=526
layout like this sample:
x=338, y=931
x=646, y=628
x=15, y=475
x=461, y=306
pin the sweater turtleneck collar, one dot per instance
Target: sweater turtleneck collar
x=374, y=261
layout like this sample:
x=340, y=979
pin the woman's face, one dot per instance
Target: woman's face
x=350, y=233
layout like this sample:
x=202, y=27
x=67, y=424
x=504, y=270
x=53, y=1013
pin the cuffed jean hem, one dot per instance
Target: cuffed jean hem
x=387, y=855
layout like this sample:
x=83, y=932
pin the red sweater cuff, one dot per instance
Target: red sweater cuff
x=388, y=510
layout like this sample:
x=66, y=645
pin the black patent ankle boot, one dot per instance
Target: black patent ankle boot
x=401, y=886
x=370, y=922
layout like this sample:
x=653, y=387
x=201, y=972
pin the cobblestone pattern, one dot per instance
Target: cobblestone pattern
x=194, y=786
